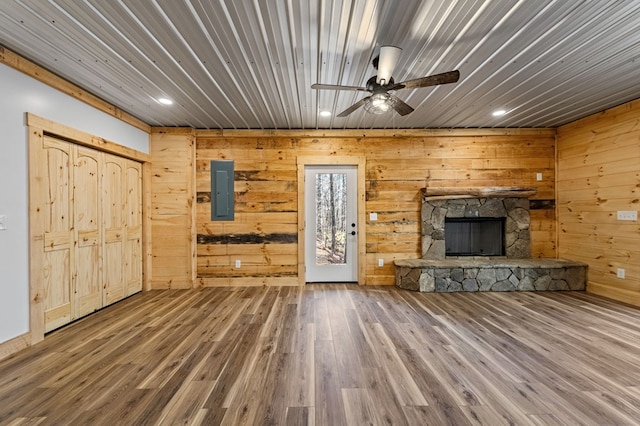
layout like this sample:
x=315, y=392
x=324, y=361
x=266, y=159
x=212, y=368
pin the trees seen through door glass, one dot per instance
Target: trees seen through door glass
x=331, y=222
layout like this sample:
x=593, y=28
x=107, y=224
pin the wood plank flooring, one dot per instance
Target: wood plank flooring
x=334, y=355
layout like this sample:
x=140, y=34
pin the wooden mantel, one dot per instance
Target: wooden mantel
x=489, y=192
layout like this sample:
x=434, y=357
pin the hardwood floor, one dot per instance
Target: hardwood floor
x=334, y=355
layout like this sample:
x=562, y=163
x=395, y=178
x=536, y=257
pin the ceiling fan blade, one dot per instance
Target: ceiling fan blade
x=400, y=106
x=432, y=80
x=354, y=107
x=387, y=61
x=337, y=87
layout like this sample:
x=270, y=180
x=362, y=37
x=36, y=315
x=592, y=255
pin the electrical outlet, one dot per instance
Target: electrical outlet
x=373, y=216
x=631, y=215
x=620, y=273
x=238, y=263
x=380, y=262
x=538, y=176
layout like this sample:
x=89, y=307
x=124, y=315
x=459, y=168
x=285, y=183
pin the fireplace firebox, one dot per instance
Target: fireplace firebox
x=513, y=211
x=477, y=236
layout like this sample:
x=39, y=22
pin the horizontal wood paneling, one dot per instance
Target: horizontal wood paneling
x=598, y=175
x=397, y=167
x=172, y=208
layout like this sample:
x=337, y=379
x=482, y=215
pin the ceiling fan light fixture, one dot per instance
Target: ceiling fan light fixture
x=380, y=85
x=379, y=103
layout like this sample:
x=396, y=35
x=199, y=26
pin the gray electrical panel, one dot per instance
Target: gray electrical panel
x=222, y=203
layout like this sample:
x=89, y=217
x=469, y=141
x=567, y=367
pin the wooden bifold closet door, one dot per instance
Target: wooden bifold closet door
x=92, y=251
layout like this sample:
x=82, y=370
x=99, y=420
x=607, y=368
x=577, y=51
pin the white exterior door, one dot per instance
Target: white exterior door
x=331, y=241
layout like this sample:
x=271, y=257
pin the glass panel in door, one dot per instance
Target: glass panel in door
x=331, y=220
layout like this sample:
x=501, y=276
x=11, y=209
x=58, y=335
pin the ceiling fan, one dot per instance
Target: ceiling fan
x=380, y=100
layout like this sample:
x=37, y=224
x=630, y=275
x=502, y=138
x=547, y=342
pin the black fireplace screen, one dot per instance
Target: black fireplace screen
x=474, y=236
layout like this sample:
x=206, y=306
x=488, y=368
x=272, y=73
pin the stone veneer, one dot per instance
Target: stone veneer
x=453, y=275
x=437, y=272
x=515, y=210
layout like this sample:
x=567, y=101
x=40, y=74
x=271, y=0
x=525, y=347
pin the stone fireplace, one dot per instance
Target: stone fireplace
x=514, y=211
x=491, y=250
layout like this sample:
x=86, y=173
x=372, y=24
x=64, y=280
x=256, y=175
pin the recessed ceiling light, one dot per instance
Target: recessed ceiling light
x=165, y=101
x=498, y=112
x=325, y=113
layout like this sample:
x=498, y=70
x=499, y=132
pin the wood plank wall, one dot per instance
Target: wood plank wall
x=172, y=208
x=263, y=236
x=598, y=175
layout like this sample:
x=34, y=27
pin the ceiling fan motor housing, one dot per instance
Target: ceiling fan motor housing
x=374, y=87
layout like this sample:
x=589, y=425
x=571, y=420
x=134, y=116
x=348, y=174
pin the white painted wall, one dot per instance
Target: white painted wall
x=20, y=94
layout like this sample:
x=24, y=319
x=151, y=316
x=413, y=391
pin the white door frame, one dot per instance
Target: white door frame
x=347, y=270
x=355, y=160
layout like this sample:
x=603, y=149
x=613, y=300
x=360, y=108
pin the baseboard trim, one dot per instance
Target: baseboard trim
x=621, y=295
x=14, y=345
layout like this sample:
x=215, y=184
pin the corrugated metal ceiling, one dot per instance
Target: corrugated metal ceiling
x=237, y=64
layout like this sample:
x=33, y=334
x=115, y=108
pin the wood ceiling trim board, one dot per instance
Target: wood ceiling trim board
x=86, y=139
x=174, y=130
x=382, y=133
x=29, y=68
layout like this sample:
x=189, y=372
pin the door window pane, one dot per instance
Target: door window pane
x=331, y=223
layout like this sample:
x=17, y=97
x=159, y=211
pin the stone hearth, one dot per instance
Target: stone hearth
x=453, y=275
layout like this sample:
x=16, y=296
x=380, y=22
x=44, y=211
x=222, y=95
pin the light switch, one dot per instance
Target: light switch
x=373, y=216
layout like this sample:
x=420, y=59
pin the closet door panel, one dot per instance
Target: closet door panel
x=56, y=205
x=113, y=219
x=88, y=256
x=133, y=225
